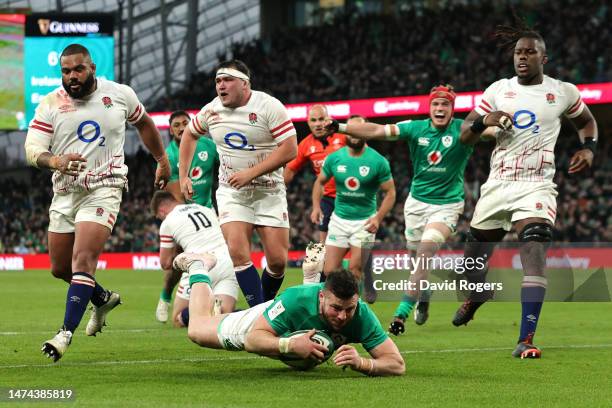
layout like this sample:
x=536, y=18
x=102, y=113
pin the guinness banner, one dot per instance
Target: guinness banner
x=69, y=24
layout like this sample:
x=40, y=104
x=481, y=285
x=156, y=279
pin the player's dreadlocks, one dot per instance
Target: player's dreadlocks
x=507, y=35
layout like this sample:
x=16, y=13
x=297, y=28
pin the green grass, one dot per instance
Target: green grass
x=139, y=362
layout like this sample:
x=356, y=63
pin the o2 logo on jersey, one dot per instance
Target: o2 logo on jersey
x=352, y=183
x=524, y=119
x=238, y=141
x=85, y=129
x=203, y=156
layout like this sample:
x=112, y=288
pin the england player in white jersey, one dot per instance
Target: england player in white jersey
x=78, y=132
x=528, y=109
x=255, y=139
x=196, y=230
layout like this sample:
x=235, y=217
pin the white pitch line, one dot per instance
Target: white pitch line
x=110, y=331
x=250, y=357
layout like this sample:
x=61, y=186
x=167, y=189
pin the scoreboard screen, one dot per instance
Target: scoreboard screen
x=11, y=72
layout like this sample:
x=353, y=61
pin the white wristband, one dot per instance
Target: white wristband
x=342, y=127
x=283, y=345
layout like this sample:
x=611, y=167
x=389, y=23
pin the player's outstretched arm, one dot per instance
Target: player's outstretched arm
x=367, y=131
x=587, y=131
x=386, y=359
x=263, y=340
x=151, y=138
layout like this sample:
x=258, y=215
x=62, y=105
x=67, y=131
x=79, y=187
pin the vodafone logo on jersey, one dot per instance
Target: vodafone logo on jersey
x=434, y=157
x=196, y=173
x=352, y=183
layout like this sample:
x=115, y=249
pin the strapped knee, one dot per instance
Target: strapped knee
x=537, y=232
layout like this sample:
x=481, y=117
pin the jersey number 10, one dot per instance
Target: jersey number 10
x=199, y=219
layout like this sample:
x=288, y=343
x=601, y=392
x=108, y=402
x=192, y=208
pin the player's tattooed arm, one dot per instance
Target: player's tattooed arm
x=587, y=131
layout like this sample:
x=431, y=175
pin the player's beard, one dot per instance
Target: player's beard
x=355, y=145
x=86, y=87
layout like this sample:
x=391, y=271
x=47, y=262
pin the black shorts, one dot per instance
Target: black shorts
x=327, y=207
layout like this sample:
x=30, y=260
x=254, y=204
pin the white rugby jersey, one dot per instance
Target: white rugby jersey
x=527, y=151
x=93, y=126
x=194, y=228
x=245, y=136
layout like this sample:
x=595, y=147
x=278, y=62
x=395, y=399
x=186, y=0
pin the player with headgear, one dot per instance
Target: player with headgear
x=436, y=197
x=255, y=138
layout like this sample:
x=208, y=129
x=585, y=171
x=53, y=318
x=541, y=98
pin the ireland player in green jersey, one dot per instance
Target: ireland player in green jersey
x=203, y=165
x=333, y=307
x=360, y=172
x=436, y=195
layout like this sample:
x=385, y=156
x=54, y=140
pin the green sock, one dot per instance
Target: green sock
x=405, y=307
x=198, y=277
x=345, y=263
x=165, y=296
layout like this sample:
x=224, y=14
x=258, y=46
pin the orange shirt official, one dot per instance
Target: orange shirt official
x=315, y=151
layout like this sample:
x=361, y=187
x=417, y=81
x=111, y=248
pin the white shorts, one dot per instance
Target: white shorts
x=503, y=202
x=346, y=233
x=222, y=278
x=257, y=206
x=100, y=205
x=233, y=329
x=418, y=214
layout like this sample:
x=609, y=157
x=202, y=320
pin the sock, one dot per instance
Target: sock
x=185, y=316
x=250, y=284
x=532, y=298
x=405, y=307
x=270, y=284
x=345, y=263
x=99, y=295
x=79, y=293
x=475, y=249
x=197, y=273
x=165, y=296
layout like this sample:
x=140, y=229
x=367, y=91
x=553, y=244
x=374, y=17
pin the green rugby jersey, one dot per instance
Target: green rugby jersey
x=297, y=308
x=358, y=179
x=205, y=159
x=438, y=159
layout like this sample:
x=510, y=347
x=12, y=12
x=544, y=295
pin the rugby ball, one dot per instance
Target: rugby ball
x=299, y=363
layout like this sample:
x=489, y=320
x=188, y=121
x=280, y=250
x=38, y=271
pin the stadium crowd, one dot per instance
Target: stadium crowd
x=584, y=214
x=355, y=56
x=364, y=56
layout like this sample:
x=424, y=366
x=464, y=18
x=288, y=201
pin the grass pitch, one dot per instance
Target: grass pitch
x=137, y=361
